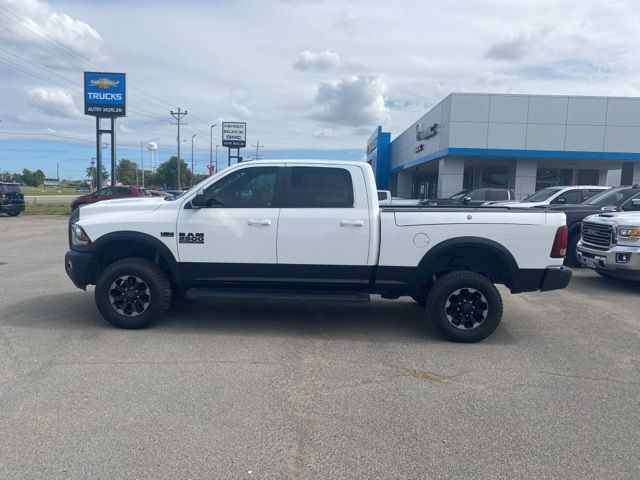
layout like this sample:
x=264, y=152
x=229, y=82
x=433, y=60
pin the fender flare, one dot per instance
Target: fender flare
x=425, y=267
x=146, y=239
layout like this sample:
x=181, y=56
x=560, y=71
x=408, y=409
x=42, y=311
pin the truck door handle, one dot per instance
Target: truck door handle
x=351, y=223
x=259, y=223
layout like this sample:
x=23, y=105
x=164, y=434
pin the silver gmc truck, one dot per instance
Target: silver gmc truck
x=610, y=244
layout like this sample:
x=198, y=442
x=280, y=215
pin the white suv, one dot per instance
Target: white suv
x=571, y=195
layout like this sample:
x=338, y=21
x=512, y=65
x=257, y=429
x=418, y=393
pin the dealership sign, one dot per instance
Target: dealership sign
x=234, y=134
x=105, y=94
x=425, y=131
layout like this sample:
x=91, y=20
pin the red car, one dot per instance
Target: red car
x=109, y=193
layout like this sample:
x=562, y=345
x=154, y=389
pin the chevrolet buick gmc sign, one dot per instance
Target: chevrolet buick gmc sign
x=234, y=134
x=105, y=94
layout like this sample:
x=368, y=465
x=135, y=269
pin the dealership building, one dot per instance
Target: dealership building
x=523, y=142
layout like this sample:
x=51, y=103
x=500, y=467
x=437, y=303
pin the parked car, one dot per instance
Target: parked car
x=175, y=193
x=311, y=230
x=614, y=199
x=83, y=188
x=385, y=199
x=473, y=196
x=157, y=193
x=109, y=193
x=11, y=199
x=567, y=195
x=610, y=243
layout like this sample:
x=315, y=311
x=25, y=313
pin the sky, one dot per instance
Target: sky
x=312, y=79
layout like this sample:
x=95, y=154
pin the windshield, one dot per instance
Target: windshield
x=10, y=188
x=611, y=198
x=542, y=195
x=461, y=194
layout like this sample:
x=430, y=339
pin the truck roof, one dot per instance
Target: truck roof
x=308, y=160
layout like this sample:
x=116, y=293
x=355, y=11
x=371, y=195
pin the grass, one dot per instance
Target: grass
x=47, y=208
x=48, y=191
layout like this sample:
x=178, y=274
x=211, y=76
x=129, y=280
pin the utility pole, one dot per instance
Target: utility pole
x=192, y=137
x=178, y=116
x=211, y=147
x=94, y=179
x=258, y=147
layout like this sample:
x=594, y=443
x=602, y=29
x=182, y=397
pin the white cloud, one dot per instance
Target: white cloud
x=354, y=101
x=318, y=61
x=54, y=101
x=53, y=39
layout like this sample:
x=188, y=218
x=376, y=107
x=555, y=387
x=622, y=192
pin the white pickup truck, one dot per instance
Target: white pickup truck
x=311, y=230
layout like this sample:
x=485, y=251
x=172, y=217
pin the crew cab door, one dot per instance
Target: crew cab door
x=324, y=226
x=232, y=238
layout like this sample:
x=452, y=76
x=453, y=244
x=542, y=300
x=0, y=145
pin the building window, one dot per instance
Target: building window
x=588, y=176
x=553, y=177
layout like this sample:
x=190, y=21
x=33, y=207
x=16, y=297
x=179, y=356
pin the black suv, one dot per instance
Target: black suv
x=612, y=200
x=11, y=199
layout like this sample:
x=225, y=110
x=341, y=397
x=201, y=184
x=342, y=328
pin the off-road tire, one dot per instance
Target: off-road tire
x=153, y=280
x=440, y=300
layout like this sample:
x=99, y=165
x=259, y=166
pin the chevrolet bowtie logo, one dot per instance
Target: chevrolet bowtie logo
x=104, y=83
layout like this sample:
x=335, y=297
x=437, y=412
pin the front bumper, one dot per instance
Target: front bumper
x=611, y=260
x=79, y=268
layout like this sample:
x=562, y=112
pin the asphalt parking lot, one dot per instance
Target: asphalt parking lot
x=244, y=389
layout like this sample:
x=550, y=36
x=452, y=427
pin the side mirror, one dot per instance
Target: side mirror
x=561, y=200
x=635, y=204
x=466, y=200
x=199, y=201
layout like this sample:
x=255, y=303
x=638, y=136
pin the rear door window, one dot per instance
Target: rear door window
x=571, y=197
x=319, y=187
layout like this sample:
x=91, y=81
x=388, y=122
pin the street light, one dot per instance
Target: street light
x=211, y=147
x=192, y=137
x=217, y=157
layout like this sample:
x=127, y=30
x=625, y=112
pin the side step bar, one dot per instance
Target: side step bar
x=315, y=295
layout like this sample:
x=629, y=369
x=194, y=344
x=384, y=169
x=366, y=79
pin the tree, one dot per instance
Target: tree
x=32, y=179
x=126, y=172
x=166, y=174
x=91, y=173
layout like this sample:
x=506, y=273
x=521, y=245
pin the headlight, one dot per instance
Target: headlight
x=79, y=237
x=629, y=232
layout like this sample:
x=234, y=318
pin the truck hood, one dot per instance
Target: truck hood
x=615, y=218
x=122, y=205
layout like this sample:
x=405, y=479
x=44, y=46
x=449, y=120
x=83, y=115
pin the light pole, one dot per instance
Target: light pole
x=192, y=137
x=211, y=147
x=217, y=157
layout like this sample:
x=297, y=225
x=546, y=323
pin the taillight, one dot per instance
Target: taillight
x=559, y=249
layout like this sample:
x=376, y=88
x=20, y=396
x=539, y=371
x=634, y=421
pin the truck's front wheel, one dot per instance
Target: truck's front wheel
x=464, y=306
x=132, y=293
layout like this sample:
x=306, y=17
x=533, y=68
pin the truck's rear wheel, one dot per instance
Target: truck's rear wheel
x=132, y=293
x=464, y=306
